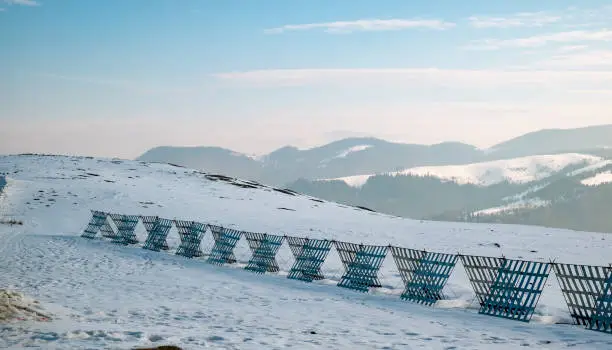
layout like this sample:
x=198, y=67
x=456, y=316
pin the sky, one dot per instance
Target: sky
x=115, y=78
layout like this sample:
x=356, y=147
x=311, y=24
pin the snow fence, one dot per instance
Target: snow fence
x=505, y=288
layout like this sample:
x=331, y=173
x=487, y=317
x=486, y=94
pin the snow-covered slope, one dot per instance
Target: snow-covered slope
x=590, y=175
x=107, y=296
x=516, y=170
x=598, y=179
x=520, y=204
x=353, y=149
x=344, y=153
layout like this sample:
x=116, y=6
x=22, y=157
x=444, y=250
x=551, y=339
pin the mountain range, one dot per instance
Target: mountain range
x=355, y=156
x=554, y=177
x=340, y=158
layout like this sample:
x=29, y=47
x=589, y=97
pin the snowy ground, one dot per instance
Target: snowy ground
x=107, y=296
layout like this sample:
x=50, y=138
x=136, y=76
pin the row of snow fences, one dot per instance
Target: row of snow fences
x=504, y=288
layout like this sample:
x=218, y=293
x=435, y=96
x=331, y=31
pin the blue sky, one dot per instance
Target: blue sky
x=114, y=78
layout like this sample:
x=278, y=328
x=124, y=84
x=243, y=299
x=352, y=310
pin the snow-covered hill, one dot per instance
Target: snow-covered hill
x=516, y=170
x=108, y=296
x=594, y=174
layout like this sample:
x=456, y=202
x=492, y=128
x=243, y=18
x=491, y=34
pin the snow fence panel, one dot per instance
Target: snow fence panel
x=158, y=234
x=516, y=290
x=216, y=232
x=264, y=250
x=582, y=287
x=190, y=233
x=362, y=272
x=108, y=231
x=347, y=252
x=312, y=255
x=429, y=278
x=296, y=244
x=482, y=272
x=602, y=318
x=407, y=261
x=148, y=222
x=223, y=250
x=98, y=218
x=126, y=224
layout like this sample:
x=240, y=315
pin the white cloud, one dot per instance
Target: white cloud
x=441, y=77
x=22, y=2
x=572, y=48
x=542, y=40
x=571, y=17
x=580, y=60
x=365, y=25
x=525, y=19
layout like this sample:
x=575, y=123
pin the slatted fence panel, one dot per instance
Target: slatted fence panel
x=582, y=286
x=602, y=318
x=158, y=234
x=216, y=232
x=264, y=252
x=308, y=262
x=516, y=290
x=482, y=272
x=190, y=233
x=429, y=278
x=126, y=224
x=362, y=272
x=223, y=251
x=347, y=252
x=407, y=261
x=98, y=218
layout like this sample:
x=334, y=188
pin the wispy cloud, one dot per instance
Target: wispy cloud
x=22, y=2
x=542, y=40
x=572, y=48
x=407, y=76
x=591, y=59
x=571, y=17
x=365, y=25
x=524, y=19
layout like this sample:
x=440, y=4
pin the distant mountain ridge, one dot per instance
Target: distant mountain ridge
x=367, y=155
x=557, y=178
x=565, y=190
x=549, y=141
x=212, y=159
x=339, y=158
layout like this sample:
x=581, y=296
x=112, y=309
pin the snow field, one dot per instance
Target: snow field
x=117, y=297
x=111, y=296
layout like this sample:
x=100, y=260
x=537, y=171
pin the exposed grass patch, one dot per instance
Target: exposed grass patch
x=11, y=222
